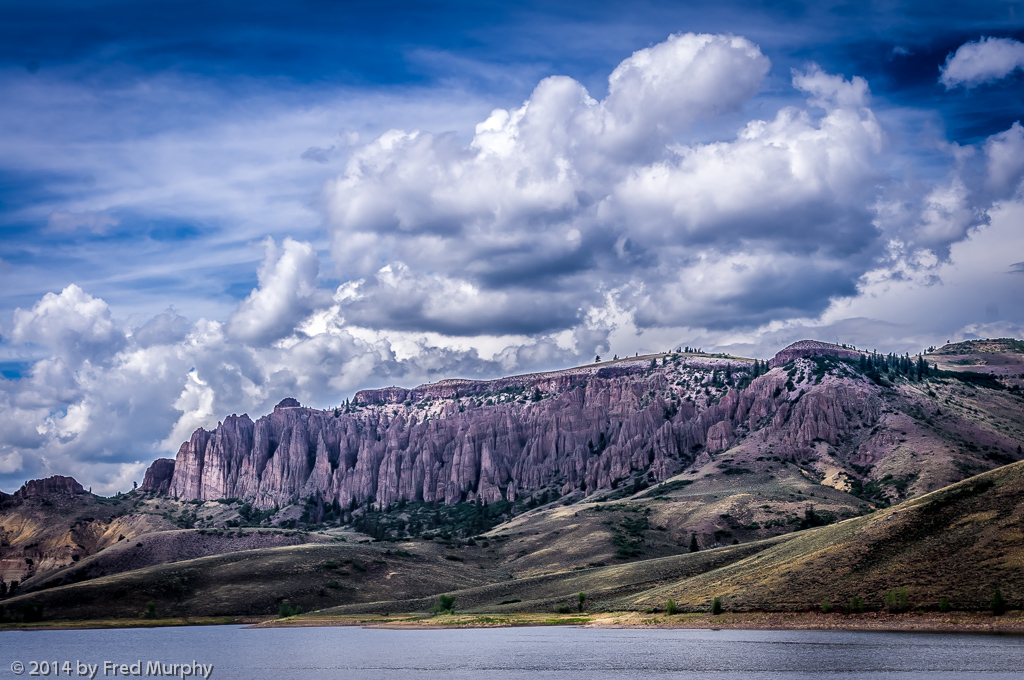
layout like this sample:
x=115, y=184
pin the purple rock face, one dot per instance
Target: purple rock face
x=462, y=440
x=158, y=476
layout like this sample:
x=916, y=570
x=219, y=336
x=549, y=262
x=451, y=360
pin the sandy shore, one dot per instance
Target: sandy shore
x=953, y=622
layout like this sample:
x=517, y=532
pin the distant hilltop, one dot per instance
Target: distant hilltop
x=36, y=488
x=805, y=349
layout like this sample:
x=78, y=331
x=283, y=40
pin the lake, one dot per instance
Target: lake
x=235, y=652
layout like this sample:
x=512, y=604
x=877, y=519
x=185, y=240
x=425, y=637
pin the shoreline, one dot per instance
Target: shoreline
x=99, y=624
x=1011, y=623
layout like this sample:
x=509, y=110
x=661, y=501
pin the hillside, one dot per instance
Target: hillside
x=961, y=542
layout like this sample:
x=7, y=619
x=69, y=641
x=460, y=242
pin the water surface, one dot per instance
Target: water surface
x=528, y=653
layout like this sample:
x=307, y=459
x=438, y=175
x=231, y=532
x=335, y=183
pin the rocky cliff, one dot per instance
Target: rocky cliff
x=158, y=476
x=574, y=430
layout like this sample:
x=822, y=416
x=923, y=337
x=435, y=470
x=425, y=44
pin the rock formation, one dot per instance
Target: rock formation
x=158, y=476
x=462, y=440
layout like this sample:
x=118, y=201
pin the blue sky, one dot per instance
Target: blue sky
x=206, y=207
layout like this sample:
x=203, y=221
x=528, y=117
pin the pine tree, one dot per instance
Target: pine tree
x=998, y=604
x=693, y=543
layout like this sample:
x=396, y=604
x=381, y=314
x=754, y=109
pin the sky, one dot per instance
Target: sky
x=208, y=207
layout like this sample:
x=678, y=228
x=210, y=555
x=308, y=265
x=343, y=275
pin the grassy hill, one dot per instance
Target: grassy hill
x=961, y=542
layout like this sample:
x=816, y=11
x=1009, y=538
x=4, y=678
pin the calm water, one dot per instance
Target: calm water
x=535, y=653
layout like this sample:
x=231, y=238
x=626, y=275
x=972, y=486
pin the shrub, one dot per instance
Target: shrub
x=150, y=610
x=32, y=612
x=896, y=600
x=445, y=605
x=826, y=606
x=944, y=604
x=716, y=606
x=285, y=610
x=563, y=609
x=855, y=606
x=582, y=597
x=998, y=604
x=670, y=607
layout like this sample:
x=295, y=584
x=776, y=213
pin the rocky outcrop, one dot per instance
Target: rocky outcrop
x=40, y=488
x=49, y=486
x=462, y=440
x=720, y=436
x=158, y=476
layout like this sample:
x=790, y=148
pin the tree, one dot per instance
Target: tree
x=693, y=543
x=150, y=610
x=445, y=605
x=826, y=606
x=670, y=608
x=716, y=606
x=998, y=604
x=582, y=597
x=597, y=359
x=944, y=604
x=536, y=396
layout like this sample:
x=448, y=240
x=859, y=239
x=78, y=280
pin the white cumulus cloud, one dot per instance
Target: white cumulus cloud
x=75, y=325
x=286, y=293
x=985, y=61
